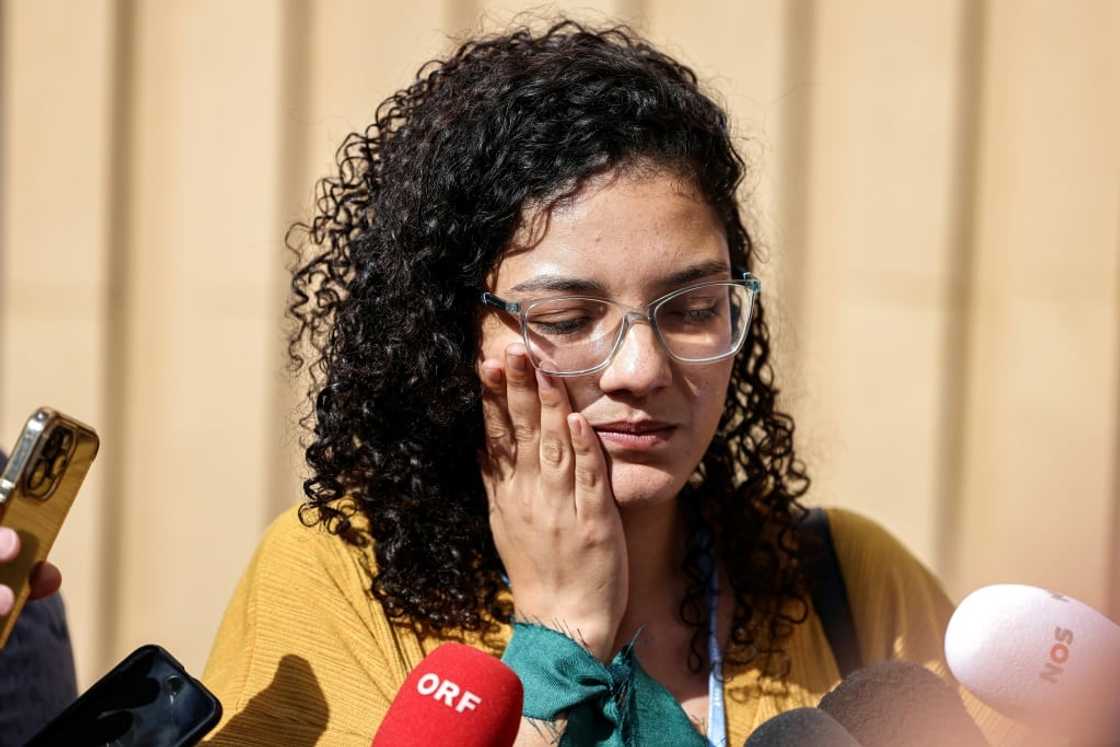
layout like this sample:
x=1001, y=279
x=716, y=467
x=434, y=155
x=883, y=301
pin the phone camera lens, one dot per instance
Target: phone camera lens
x=173, y=685
x=37, y=477
x=58, y=465
x=51, y=462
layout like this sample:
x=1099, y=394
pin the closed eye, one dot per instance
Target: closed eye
x=559, y=326
x=700, y=315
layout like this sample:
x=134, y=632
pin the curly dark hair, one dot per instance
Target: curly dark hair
x=385, y=303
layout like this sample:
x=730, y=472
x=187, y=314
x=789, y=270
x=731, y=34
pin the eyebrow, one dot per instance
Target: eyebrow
x=568, y=284
x=698, y=271
x=559, y=284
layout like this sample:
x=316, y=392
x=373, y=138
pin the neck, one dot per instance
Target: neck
x=655, y=543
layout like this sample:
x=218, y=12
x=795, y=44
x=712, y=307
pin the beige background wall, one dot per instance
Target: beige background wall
x=937, y=184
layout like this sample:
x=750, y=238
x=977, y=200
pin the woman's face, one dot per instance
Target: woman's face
x=632, y=237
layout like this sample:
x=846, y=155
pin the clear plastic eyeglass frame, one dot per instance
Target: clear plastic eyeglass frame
x=631, y=316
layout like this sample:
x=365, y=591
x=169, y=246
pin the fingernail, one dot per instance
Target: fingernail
x=7, y=599
x=7, y=541
x=543, y=380
x=576, y=425
x=491, y=374
x=517, y=361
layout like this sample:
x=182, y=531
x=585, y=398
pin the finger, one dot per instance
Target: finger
x=7, y=599
x=9, y=545
x=555, y=439
x=45, y=580
x=524, y=407
x=499, y=450
x=495, y=411
x=590, y=476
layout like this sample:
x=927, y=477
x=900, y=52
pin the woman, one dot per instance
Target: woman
x=543, y=394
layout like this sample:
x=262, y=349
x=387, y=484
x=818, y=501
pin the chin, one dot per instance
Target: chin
x=636, y=485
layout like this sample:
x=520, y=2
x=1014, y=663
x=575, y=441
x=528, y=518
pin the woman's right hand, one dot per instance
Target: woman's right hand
x=552, y=513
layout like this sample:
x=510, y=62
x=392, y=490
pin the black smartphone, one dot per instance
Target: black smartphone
x=148, y=699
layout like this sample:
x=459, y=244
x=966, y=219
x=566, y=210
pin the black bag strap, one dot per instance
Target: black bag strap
x=830, y=596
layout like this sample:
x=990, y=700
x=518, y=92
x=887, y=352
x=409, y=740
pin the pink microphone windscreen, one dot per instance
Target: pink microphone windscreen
x=1040, y=657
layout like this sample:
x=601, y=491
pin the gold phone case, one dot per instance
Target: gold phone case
x=37, y=487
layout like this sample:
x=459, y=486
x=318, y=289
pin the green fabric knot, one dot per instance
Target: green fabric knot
x=608, y=705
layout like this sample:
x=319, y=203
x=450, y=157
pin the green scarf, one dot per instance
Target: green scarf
x=608, y=705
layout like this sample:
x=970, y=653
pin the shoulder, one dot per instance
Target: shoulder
x=300, y=564
x=866, y=550
x=300, y=572
x=303, y=647
x=297, y=535
x=851, y=528
x=291, y=526
x=898, y=605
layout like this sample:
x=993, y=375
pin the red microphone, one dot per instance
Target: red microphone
x=456, y=695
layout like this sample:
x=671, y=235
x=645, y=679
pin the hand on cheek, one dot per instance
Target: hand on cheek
x=552, y=514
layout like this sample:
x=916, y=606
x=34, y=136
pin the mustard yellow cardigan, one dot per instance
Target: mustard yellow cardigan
x=305, y=655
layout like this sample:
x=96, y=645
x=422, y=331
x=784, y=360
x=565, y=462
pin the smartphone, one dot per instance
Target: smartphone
x=37, y=486
x=148, y=700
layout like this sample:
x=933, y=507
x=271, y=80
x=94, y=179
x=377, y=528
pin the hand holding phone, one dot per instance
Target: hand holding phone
x=45, y=576
x=37, y=487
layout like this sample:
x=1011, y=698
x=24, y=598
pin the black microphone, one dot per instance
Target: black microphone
x=801, y=726
x=901, y=703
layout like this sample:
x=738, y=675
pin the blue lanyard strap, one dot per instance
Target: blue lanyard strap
x=717, y=717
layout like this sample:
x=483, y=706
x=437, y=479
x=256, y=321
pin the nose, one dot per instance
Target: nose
x=641, y=365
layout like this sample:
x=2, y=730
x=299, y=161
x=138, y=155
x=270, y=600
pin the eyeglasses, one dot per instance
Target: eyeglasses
x=577, y=335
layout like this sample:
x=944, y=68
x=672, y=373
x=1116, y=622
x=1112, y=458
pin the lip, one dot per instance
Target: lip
x=635, y=434
x=632, y=426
